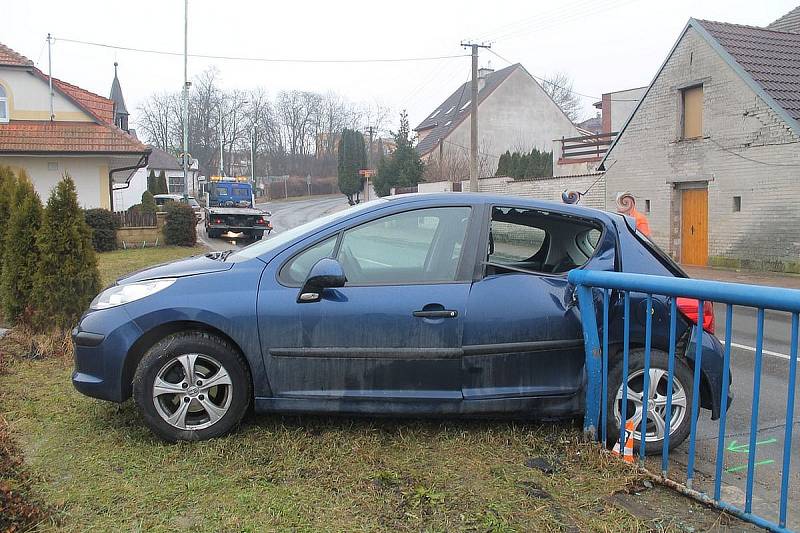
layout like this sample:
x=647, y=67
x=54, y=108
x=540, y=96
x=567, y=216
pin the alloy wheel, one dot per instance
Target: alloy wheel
x=192, y=391
x=656, y=425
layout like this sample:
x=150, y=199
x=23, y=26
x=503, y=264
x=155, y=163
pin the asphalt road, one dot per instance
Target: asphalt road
x=771, y=405
x=771, y=420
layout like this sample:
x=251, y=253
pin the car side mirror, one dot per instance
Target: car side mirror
x=326, y=273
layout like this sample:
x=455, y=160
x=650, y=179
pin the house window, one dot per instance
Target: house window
x=692, y=106
x=436, y=113
x=647, y=206
x=449, y=110
x=737, y=204
x=3, y=105
x=463, y=107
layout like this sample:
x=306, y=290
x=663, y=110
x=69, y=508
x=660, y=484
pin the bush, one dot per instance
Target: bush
x=104, y=229
x=20, y=254
x=180, y=226
x=148, y=204
x=66, y=279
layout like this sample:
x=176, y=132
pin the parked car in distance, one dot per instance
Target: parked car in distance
x=163, y=199
x=418, y=305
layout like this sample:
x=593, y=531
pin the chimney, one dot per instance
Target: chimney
x=482, y=74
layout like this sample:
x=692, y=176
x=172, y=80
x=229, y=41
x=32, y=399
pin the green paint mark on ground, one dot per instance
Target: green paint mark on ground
x=745, y=448
x=739, y=468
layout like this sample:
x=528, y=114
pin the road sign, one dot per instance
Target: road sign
x=366, y=173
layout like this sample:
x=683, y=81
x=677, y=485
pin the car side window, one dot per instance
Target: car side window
x=538, y=241
x=418, y=246
x=295, y=271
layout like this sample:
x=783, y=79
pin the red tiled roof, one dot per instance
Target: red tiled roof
x=99, y=106
x=27, y=136
x=10, y=57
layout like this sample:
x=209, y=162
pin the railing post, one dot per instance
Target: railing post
x=591, y=341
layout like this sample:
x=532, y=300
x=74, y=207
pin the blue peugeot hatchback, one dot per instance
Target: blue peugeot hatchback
x=437, y=305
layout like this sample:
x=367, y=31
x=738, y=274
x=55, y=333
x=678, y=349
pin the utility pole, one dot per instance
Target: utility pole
x=473, y=133
x=185, y=113
x=253, y=157
x=221, y=146
x=50, y=74
x=371, y=131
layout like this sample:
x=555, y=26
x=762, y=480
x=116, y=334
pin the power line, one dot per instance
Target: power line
x=543, y=80
x=730, y=151
x=259, y=59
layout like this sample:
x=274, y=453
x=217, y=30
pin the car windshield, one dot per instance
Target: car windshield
x=261, y=247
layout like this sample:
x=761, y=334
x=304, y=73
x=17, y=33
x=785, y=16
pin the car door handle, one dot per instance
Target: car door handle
x=439, y=313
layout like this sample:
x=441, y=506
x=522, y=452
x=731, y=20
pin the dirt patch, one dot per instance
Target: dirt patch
x=663, y=509
x=20, y=509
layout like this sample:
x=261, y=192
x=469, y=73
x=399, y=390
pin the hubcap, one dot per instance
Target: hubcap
x=192, y=391
x=656, y=404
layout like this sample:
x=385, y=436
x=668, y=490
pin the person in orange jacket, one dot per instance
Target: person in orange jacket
x=626, y=205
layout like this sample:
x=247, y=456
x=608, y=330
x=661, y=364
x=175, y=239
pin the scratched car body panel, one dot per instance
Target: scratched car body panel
x=454, y=304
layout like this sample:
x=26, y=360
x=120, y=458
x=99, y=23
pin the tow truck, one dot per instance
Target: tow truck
x=231, y=212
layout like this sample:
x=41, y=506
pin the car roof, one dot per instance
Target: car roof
x=455, y=198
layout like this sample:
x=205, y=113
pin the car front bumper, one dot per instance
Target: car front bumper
x=101, y=343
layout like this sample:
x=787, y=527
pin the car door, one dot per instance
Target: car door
x=394, y=330
x=523, y=336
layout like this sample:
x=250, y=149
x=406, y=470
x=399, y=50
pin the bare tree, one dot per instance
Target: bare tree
x=157, y=120
x=559, y=86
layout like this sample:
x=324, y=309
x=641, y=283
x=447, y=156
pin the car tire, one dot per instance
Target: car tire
x=682, y=395
x=176, y=408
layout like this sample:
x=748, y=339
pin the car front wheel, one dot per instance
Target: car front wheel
x=192, y=386
x=657, y=424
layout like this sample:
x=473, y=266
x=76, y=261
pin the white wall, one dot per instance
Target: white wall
x=132, y=195
x=89, y=173
x=29, y=98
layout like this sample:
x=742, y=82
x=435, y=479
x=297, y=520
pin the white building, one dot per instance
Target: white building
x=514, y=114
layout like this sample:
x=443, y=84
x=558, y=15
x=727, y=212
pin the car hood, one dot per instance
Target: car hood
x=199, y=264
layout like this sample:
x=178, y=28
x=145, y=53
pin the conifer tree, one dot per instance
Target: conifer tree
x=162, y=183
x=151, y=182
x=352, y=158
x=20, y=254
x=8, y=185
x=403, y=168
x=66, y=279
x=148, y=204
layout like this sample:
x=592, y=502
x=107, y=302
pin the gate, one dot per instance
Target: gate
x=597, y=288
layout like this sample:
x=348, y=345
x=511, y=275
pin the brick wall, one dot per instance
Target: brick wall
x=651, y=161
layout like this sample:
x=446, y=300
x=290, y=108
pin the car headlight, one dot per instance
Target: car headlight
x=129, y=292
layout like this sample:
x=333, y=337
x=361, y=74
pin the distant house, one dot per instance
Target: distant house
x=69, y=130
x=615, y=108
x=130, y=193
x=712, y=151
x=514, y=113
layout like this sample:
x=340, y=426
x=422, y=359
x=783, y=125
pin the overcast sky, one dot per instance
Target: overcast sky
x=604, y=45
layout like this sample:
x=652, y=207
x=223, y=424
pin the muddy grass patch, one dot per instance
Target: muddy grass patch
x=97, y=465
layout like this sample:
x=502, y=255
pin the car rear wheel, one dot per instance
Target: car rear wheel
x=192, y=386
x=657, y=426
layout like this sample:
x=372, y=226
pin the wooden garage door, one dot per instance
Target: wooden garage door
x=694, y=226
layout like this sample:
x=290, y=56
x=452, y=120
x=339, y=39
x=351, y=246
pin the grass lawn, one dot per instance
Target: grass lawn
x=94, y=466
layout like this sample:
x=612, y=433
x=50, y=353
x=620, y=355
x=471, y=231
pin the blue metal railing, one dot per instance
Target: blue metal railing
x=597, y=367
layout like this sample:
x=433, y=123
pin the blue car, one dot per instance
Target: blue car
x=417, y=305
